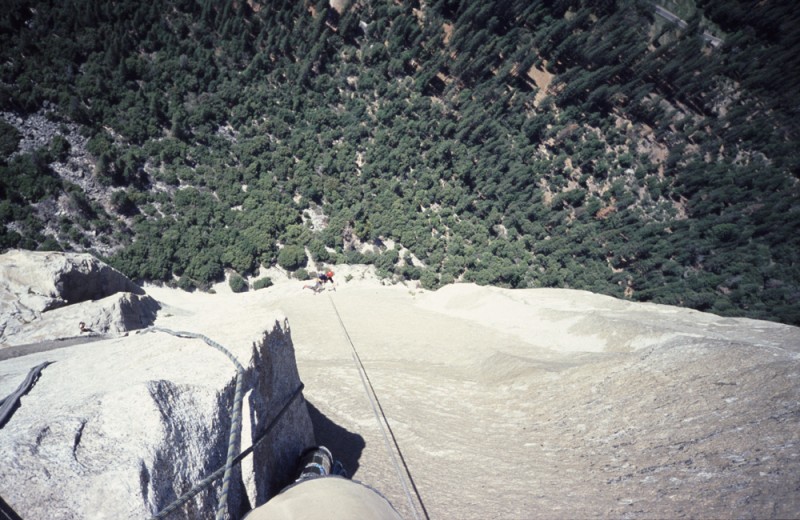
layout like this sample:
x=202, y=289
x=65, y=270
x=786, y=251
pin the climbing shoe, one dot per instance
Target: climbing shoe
x=315, y=462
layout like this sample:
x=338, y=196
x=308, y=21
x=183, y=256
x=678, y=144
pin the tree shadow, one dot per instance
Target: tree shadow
x=344, y=445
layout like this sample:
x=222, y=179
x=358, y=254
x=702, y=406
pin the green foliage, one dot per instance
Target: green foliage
x=186, y=283
x=50, y=244
x=301, y=274
x=387, y=260
x=101, y=144
x=237, y=283
x=292, y=257
x=262, y=283
x=28, y=178
x=9, y=140
x=59, y=148
x=410, y=272
x=318, y=251
x=429, y=280
x=123, y=203
x=446, y=148
x=725, y=232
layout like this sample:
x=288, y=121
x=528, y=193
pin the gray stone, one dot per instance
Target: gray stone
x=115, y=315
x=119, y=428
x=46, y=295
x=48, y=280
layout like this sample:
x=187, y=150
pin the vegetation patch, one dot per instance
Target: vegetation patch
x=589, y=145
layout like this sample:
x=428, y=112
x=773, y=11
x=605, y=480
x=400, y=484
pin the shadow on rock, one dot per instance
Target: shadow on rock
x=344, y=445
x=140, y=312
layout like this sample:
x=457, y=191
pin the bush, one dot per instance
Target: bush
x=387, y=260
x=9, y=140
x=50, y=244
x=60, y=148
x=301, y=274
x=100, y=144
x=237, y=283
x=262, y=283
x=9, y=239
x=292, y=257
x=725, y=232
x=429, y=280
x=411, y=272
x=352, y=257
x=123, y=203
x=318, y=251
x=186, y=283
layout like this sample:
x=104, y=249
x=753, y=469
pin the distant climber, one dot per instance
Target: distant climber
x=84, y=328
x=315, y=287
x=327, y=277
x=323, y=490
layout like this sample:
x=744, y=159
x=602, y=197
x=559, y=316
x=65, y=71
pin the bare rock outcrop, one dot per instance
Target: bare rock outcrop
x=46, y=295
x=119, y=428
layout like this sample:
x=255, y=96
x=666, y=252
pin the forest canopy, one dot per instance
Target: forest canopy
x=572, y=143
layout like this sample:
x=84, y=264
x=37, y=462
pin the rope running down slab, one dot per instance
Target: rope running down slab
x=383, y=423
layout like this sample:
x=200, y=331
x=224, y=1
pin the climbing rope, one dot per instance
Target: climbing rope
x=384, y=425
x=236, y=417
x=7, y=405
x=206, y=482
